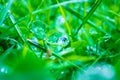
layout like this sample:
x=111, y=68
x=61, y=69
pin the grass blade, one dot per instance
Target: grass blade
x=74, y=13
x=89, y=38
x=63, y=14
x=50, y=7
x=81, y=18
x=17, y=29
x=57, y=5
x=56, y=55
x=88, y=15
x=4, y=11
x=8, y=51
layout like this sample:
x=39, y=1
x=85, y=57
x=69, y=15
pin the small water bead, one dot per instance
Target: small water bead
x=60, y=20
x=62, y=72
x=53, y=38
x=57, y=41
x=34, y=39
x=5, y=69
x=107, y=37
x=63, y=41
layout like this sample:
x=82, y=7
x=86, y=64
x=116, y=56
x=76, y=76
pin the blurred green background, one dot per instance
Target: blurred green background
x=59, y=39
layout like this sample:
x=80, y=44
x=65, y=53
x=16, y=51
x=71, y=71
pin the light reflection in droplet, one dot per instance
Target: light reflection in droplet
x=3, y=70
x=62, y=72
x=60, y=20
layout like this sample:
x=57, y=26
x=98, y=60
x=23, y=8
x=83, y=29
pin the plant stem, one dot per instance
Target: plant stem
x=89, y=15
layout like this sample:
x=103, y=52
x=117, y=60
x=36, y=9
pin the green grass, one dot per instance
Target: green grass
x=60, y=39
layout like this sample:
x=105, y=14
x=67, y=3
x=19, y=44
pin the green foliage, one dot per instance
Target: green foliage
x=60, y=39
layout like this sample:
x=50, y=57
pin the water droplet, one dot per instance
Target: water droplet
x=62, y=72
x=60, y=20
x=53, y=38
x=38, y=28
x=4, y=70
x=63, y=41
